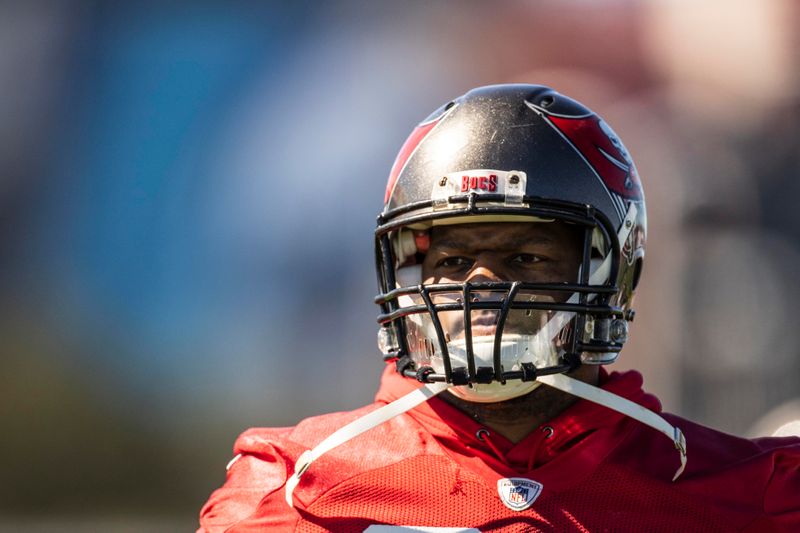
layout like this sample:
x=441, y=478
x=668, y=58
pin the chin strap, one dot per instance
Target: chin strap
x=622, y=405
x=425, y=393
x=359, y=426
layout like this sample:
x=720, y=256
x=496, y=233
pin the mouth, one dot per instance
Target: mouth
x=479, y=330
x=482, y=325
x=485, y=325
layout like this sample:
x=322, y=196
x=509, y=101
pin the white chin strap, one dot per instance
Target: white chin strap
x=425, y=393
x=559, y=381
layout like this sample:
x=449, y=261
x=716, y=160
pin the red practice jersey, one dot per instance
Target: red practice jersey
x=435, y=469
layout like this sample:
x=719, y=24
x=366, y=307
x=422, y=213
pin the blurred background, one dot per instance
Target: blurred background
x=188, y=194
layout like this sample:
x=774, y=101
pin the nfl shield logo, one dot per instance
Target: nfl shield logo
x=518, y=493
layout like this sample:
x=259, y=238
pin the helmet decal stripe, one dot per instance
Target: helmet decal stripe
x=604, y=152
x=616, y=201
x=419, y=133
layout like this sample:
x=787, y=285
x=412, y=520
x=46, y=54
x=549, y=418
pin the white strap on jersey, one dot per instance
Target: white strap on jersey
x=596, y=394
x=622, y=405
x=359, y=426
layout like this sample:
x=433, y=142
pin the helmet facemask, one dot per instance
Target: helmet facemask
x=492, y=338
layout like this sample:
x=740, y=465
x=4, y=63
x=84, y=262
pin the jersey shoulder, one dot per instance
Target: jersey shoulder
x=264, y=459
x=760, y=476
x=712, y=449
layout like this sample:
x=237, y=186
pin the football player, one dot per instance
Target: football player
x=508, y=251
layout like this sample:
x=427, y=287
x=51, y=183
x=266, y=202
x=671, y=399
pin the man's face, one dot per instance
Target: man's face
x=534, y=252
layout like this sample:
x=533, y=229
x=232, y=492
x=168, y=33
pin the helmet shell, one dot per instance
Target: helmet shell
x=567, y=151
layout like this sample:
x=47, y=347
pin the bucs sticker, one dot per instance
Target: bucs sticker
x=510, y=185
x=518, y=493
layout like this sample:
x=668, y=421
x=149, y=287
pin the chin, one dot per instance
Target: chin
x=494, y=392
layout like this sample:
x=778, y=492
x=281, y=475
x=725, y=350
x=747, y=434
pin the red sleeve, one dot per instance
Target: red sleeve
x=782, y=496
x=257, y=471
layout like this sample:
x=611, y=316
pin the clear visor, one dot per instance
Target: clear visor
x=527, y=334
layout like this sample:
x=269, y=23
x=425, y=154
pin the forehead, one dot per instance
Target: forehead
x=505, y=235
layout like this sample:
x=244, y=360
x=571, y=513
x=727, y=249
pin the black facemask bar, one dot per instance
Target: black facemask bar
x=599, y=310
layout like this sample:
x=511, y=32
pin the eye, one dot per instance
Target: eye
x=526, y=259
x=453, y=262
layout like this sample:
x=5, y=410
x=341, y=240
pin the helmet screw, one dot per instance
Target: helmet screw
x=443, y=181
x=514, y=179
x=628, y=223
x=619, y=331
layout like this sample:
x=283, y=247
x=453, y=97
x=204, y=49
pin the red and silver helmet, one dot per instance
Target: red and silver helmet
x=521, y=153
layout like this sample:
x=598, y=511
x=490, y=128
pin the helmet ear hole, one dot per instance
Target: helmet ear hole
x=637, y=273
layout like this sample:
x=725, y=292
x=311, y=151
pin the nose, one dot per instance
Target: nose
x=486, y=269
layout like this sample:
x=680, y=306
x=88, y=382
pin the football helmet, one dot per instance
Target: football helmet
x=509, y=153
